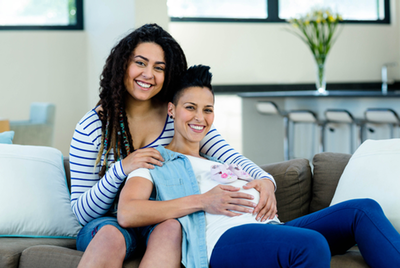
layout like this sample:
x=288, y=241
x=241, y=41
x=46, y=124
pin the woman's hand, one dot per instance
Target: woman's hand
x=142, y=158
x=266, y=207
x=222, y=199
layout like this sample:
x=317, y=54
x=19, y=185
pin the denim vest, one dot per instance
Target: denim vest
x=176, y=179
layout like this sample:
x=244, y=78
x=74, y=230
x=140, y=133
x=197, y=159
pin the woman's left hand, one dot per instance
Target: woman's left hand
x=266, y=207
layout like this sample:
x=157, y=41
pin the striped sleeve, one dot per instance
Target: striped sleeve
x=91, y=197
x=214, y=145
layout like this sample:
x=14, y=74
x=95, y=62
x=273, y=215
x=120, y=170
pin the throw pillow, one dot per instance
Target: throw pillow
x=328, y=167
x=34, y=194
x=6, y=137
x=373, y=172
x=293, y=187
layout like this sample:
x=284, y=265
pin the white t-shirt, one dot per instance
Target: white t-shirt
x=216, y=224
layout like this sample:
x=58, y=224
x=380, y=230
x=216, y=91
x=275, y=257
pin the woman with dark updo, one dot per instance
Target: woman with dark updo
x=119, y=136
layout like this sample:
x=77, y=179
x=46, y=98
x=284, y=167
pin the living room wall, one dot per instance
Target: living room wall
x=44, y=66
x=265, y=53
x=63, y=67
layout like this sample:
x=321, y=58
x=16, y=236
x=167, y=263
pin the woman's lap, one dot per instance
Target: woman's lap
x=133, y=236
x=269, y=245
x=360, y=221
x=340, y=226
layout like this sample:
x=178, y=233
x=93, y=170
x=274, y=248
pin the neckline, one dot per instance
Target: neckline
x=148, y=145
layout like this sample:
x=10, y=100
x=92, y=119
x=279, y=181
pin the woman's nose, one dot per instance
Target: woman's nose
x=147, y=73
x=199, y=116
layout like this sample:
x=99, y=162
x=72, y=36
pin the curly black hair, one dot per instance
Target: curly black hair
x=115, y=129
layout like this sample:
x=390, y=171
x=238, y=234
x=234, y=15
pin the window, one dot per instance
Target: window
x=41, y=15
x=352, y=11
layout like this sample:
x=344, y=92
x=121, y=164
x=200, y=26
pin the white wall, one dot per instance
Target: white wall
x=63, y=67
x=106, y=22
x=262, y=53
x=265, y=53
x=44, y=66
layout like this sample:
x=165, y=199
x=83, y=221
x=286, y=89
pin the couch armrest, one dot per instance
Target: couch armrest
x=328, y=167
x=293, y=182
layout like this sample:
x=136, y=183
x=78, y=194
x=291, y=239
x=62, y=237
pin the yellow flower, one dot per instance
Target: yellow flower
x=331, y=18
x=317, y=29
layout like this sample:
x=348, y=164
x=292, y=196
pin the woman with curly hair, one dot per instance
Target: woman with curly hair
x=120, y=136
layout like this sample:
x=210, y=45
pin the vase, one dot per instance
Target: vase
x=320, y=82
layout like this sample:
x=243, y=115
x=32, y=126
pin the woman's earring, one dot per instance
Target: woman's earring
x=171, y=117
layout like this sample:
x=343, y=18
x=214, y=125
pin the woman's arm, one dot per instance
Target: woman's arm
x=214, y=145
x=135, y=209
x=91, y=196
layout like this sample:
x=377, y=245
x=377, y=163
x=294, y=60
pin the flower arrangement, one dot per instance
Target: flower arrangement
x=317, y=29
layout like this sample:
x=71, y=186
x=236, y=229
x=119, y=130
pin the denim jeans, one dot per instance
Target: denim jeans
x=309, y=241
x=133, y=236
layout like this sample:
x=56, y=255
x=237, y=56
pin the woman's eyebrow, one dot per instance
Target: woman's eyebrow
x=146, y=59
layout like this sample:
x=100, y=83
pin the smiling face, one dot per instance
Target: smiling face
x=144, y=77
x=193, y=114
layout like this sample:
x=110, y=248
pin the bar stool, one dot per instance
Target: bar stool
x=382, y=116
x=270, y=108
x=304, y=116
x=341, y=116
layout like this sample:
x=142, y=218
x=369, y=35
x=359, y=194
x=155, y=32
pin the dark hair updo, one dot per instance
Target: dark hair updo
x=195, y=76
x=115, y=129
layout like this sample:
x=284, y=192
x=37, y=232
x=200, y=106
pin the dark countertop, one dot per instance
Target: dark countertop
x=314, y=93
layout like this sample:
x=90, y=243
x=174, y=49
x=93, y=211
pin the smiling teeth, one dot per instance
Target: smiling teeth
x=196, y=127
x=143, y=84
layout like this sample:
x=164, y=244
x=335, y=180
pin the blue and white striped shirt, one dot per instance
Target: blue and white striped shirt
x=93, y=197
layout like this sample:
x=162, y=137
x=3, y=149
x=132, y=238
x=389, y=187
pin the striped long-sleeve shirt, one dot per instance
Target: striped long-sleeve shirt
x=93, y=197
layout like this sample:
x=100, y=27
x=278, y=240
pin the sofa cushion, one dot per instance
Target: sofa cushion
x=34, y=193
x=373, y=172
x=328, y=167
x=11, y=248
x=6, y=137
x=351, y=259
x=293, y=182
x=49, y=257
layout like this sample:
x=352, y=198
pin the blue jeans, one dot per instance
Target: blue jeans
x=309, y=241
x=133, y=236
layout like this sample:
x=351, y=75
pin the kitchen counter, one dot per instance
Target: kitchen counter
x=314, y=93
x=270, y=128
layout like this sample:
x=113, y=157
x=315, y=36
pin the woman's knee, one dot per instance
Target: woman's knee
x=370, y=203
x=313, y=249
x=111, y=236
x=365, y=206
x=362, y=203
x=170, y=229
